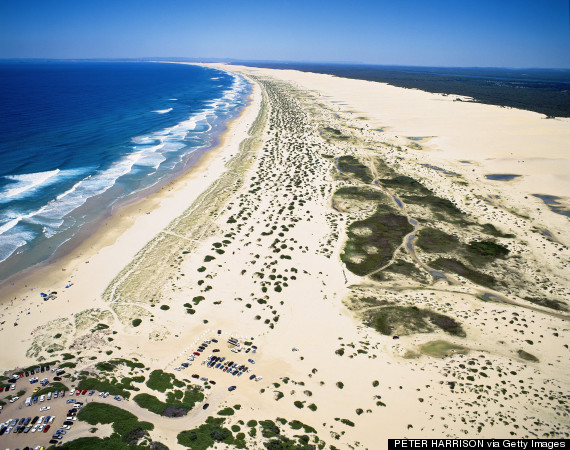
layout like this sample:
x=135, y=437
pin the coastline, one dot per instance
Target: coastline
x=121, y=235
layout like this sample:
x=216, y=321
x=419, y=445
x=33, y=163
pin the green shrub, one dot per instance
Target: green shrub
x=159, y=380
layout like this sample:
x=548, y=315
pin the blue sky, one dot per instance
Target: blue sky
x=498, y=33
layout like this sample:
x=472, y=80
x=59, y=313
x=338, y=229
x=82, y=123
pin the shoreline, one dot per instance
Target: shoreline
x=98, y=209
x=128, y=226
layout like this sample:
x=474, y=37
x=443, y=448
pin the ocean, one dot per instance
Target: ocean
x=79, y=138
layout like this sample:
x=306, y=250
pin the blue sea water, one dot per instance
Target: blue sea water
x=77, y=138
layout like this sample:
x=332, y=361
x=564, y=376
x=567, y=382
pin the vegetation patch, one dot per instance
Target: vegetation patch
x=172, y=407
x=452, y=265
x=404, y=320
x=160, y=381
x=527, y=356
x=399, y=267
x=547, y=303
x=439, y=349
x=127, y=430
x=113, y=387
x=350, y=165
x=55, y=386
x=229, y=411
x=433, y=240
x=112, y=364
x=488, y=249
x=372, y=241
x=208, y=434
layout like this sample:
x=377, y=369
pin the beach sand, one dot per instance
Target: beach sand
x=250, y=242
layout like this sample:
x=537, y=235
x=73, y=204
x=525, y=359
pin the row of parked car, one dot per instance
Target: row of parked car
x=201, y=348
x=35, y=399
x=67, y=424
x=25, y=425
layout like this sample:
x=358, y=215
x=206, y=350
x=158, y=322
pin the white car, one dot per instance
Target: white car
x=258, y=378
x=34, y=429
x=65, y=427
x=42, y=398
x=45, y=408
x=12, y=400
x=51, y=419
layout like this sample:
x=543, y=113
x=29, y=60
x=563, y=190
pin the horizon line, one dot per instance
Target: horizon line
x=238, y=60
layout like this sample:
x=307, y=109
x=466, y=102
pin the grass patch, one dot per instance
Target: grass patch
x=372, y=241
x=160, y=381
x=55, y=386
x=69, y=364
x=350, y=165
x=403, y=320
x=226, y=411
x=487, y=249
x=433, y=240
x=173, y=407
x=527, y=356
x=112, y=364
x=113, y=387
x=439, y=349
x=453, y=265
x=547, y=303
x=208, y=434
x=127, y=430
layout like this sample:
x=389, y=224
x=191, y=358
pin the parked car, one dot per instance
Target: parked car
x=205, y=406
x=232, y=388
x=251, y=361
x=46, y=428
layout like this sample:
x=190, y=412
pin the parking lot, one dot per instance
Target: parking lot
x=215, y=359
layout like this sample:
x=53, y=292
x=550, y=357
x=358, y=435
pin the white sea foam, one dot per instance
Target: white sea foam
x=149, y=150
x=90, y=186
x=173, y=99
x=163, y=111
x=28, y=182
x=9, y=244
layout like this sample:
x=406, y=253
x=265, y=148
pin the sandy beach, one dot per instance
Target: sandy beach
x=388, y=252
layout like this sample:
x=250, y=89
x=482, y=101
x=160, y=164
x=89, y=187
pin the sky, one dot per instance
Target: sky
x=468, y=33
